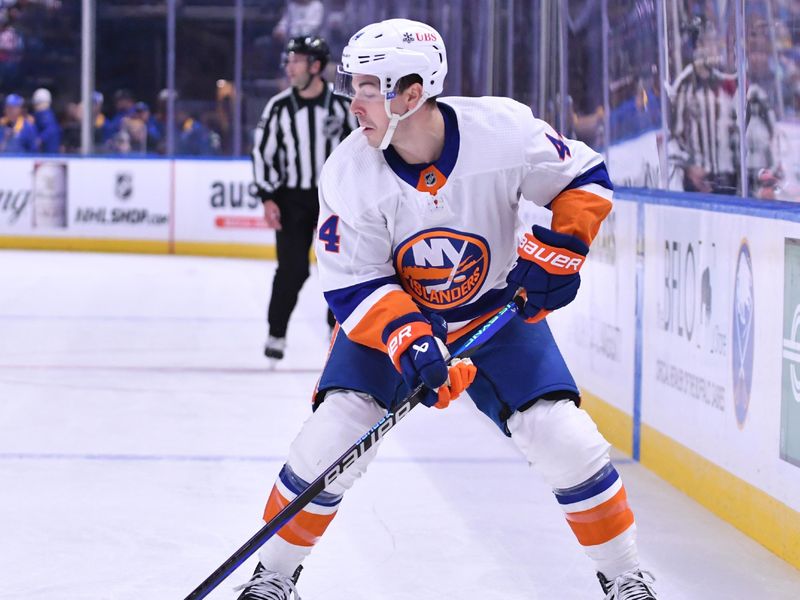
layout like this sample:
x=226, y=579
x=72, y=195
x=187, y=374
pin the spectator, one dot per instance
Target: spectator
x=222, y=118
x=194, y=138
x=763, y=169
x=585, y=70
x=123, y=104
x=101, y=123
x=705, y=139
x=300, y=18
x=72, y=125
x=47, y=128
x=141, y=111
x=131, y=137
x=17, y=131
x=11, y=46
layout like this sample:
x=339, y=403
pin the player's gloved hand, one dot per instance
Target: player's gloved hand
x=547, y=270
x=421, y=357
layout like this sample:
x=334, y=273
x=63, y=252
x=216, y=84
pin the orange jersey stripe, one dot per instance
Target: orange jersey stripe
x=579, y=213
x=602, y=523
x=327, y=357
x=369, y=329
x=304, y=529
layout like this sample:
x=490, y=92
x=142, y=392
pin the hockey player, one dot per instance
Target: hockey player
x=416, y=247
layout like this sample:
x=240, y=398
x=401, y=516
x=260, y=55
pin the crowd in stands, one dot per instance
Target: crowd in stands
x=48, y=120
x=130, y=128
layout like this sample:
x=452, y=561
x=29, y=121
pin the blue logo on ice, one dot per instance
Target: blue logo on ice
x=743, y=333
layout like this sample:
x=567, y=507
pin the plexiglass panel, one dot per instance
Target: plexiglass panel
x=704, y=153
x=40, y=50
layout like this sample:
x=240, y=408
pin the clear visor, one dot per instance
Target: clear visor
x=356, y=86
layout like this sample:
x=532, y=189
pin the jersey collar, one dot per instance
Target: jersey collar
x=430, y=177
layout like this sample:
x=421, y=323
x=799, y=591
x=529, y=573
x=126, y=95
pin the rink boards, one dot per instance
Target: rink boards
x=129, y=205
x=686, y=341
x=685, y=337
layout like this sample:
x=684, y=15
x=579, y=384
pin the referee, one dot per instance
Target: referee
x=298, y=130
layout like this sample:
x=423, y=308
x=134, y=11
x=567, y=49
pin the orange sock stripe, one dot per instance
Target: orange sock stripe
x=602, y=523
x=304, y=529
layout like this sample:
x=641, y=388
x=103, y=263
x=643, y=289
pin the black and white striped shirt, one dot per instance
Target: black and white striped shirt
x=704, y=121
x=294, y=137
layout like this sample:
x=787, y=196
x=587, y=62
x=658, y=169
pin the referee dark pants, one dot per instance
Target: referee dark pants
x=299, y=212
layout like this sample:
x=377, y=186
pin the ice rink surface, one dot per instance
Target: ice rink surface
x=140, y=433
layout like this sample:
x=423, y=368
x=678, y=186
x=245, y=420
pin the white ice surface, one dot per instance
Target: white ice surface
x=140, y=433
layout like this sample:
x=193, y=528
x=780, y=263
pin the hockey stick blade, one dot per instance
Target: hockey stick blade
x=346, y=460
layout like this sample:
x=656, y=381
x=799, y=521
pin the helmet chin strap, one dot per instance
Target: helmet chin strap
x=394, y=119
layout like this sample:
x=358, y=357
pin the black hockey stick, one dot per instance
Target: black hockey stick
x=346, y=460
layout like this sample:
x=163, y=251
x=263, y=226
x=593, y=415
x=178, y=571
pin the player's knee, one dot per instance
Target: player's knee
x=560, y=441
x=339, y=421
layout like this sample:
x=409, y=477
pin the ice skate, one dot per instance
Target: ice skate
x=275, y=347
x=270, y=585
x=631, y=585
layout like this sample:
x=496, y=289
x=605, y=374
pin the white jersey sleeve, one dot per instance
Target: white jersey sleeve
x=567, y=177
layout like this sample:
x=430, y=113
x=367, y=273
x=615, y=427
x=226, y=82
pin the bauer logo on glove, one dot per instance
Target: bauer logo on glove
x=421, y=357
x=553, y=260
x=547, y=270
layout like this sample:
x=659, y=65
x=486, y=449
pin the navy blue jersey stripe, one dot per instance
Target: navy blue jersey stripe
x=345, y=300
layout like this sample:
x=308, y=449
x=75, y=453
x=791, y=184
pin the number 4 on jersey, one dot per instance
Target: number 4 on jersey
x=561, y=147
x=328, y=233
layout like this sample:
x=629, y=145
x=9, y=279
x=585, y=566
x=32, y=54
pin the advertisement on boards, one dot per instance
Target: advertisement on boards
x=120, y=199
x=33, y=196
x=688, y=325
x=85, y=198
x=216, y=201
x=596, y=331
x=790, y=373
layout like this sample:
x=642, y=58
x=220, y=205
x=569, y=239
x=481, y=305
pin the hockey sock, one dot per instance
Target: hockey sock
x=597, y=511
x=295, y=540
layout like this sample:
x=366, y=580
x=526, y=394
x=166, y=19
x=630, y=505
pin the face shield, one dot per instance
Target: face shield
x=365, y=88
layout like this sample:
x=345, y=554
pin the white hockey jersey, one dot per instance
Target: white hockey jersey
x=395, y=238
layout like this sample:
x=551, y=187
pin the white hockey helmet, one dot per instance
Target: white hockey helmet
x=390, y=50
x=395, y=48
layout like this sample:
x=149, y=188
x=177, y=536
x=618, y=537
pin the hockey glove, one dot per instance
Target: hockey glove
x=547, y=270
x=421, y=357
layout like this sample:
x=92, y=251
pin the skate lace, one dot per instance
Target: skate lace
x=632, y=585
x=270, y=585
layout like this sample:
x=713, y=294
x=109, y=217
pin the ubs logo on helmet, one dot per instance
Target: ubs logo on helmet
x=442, y=268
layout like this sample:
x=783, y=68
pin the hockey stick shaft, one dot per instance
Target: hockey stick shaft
x=346, y=460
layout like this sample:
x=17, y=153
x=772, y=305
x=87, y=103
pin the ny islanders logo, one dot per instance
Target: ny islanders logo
x=442, y=268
